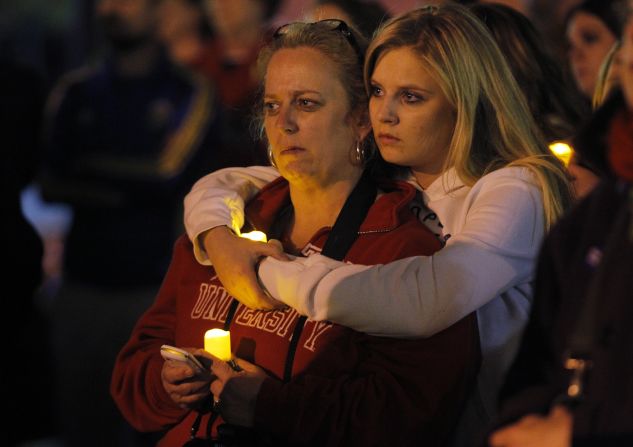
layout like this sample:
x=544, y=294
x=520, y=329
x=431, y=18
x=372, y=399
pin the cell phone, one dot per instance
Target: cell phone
x=180, y=355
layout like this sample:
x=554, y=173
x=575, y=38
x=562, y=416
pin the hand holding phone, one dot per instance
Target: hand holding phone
x=169, y=352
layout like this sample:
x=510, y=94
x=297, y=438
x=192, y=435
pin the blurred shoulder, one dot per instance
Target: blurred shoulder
x=70, y=84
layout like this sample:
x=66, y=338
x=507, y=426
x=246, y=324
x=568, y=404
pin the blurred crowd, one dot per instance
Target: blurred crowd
x=113, y=109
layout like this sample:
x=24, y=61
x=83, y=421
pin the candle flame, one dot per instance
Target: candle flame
x=563, y=151
x=257, y=236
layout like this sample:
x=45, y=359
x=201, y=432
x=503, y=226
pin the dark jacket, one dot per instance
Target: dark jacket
x=588, y=253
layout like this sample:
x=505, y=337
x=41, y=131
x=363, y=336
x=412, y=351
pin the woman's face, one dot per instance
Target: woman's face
x=307, y=119
x=413, y=121
x=126, y=22
x=589, y=42
x=177, y=17
x=231, y=17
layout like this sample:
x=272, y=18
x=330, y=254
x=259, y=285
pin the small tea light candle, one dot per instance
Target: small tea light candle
x=218, y=343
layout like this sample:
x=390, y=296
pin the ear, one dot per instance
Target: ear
x=361, y=123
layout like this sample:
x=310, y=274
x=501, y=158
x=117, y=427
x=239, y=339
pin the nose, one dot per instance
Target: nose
x=286, y=120
x=387, y=111
x=575, y=53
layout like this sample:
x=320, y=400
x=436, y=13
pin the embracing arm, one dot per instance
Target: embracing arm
x=214, y=214
x=218, y=199
x=493, y=254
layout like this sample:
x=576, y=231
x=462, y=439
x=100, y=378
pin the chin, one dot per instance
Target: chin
x=394, y=158
x=294, y=173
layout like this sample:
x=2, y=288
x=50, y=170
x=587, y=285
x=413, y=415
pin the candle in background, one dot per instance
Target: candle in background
x=218, y=343
x=563, y=151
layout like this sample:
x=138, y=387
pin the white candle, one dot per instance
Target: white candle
x=218, y=343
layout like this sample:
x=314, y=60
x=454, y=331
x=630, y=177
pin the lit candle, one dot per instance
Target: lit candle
x=563, y=151
x=255, y=236
x=218, y=343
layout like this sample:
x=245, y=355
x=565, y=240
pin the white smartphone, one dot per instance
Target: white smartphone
x=180, y=355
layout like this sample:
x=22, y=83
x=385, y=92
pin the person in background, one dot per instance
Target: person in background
x=515, y=184
x=549, y=18
x=585, y=176
x=592, y=28
x=184, y=29
x=315, y=383
x=557, y=108
x=364, y=15
x=569, y=384
x=124, y=140
x=240, y=29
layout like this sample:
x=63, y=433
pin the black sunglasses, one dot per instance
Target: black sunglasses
x=329, y=24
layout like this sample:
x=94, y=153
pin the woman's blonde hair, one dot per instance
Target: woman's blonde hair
x=494, y=127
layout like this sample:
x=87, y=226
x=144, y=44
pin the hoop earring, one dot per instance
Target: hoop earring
x=271, y=157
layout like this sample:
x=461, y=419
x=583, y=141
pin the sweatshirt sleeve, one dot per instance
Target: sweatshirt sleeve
x=493, y=253
x=218, y=199
x=375, y=391
x=136, y=384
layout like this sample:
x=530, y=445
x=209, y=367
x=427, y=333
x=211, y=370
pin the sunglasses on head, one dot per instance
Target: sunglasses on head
x=329, y=24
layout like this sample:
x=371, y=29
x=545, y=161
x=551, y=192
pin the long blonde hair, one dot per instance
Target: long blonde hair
x=494, y=127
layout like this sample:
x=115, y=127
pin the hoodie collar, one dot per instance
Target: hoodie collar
x=387, y=213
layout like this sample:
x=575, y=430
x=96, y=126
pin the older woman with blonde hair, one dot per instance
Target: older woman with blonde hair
x=445, y=107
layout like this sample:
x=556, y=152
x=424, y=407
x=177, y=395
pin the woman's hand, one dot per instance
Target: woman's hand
x=186, y=388
x=553, y=430
x=235, y=258
x=235, y=392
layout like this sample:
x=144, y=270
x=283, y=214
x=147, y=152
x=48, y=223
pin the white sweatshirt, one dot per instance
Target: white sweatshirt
x=493, y=229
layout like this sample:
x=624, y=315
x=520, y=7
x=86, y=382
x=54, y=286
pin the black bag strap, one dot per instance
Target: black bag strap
x=345, y=229
x=339, y=241
x=230, y=314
